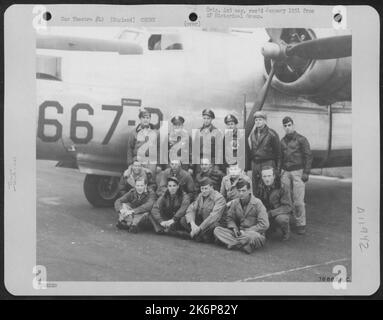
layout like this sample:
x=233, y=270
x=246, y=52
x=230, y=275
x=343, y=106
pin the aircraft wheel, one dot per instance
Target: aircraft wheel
x=101, y=191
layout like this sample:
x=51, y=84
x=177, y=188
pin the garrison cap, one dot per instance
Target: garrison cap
x=205, y=181
x=208, y=112
x=143, y=112
x=174, y=179
x=231, y=118
x=260, y=114
x=177, y=120
x=287, y=120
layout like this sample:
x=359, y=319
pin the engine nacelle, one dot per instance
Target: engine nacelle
x=321, y=81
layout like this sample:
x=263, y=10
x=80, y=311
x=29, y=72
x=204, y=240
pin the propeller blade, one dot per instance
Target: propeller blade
x=258, y=105
x=274, y=34
x=324, y=48
x=261, y=97
x=70, y=43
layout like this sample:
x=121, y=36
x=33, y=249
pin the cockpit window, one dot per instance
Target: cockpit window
x=165, y=42
x=48, y=67
x=129, y=35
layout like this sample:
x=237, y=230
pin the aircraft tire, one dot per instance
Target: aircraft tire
x=93, y=186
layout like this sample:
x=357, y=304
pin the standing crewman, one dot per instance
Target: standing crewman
x=179, y=143
x=209, y=133
x=296, y=166
x=144, y=133
x=231, y=123
x=265, y=148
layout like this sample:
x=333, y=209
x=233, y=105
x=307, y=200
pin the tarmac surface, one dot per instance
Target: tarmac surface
x=77, y=242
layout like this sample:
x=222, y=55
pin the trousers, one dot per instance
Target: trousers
x=205, y=235
x=247, y=237
x=281, y=221
x=175, y=228
x=142, y=220
x=293, y=181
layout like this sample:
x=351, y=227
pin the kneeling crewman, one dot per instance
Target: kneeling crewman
x=132, y=174
x=229, y=183
x=184, y=178
x=276, y=198
x=247, y=222
x=168, y=213
x=204, y=214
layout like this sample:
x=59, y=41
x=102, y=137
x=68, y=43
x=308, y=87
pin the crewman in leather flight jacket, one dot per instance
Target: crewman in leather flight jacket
x=296, y=165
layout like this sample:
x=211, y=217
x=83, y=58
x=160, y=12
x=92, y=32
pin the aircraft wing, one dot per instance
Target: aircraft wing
x=73, y=43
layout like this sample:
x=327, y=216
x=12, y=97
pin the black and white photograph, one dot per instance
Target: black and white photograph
x=96, y=96
x=196, y=153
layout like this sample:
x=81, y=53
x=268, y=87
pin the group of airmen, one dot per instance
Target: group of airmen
x=218, y=203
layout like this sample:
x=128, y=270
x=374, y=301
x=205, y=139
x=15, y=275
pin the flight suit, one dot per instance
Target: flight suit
x=206, y=213
x=276, y=198
x=230, y=192
x=251, y=221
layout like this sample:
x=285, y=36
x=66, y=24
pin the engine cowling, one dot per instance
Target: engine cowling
x=321, y=81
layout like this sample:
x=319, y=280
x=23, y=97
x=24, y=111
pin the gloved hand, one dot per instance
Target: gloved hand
x=305, y=177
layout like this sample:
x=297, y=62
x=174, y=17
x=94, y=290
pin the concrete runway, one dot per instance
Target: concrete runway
x=77, y=242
